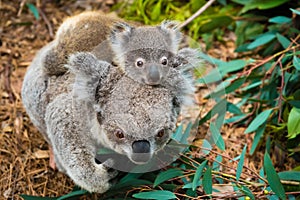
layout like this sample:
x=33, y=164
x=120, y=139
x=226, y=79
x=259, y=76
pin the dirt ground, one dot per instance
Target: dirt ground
x=24, y=155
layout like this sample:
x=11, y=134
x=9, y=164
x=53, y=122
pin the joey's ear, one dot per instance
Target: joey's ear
x=187, y=59
x=119, y=36
x=171, y=29
x=88, y=72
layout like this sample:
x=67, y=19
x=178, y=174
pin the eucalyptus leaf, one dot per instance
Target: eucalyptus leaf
x=198, y=174
x=297, y=12
x=283, y=40
x=280, y=19
x=296, y=62
x=261, y=40
x=293, y=124
x=207, y=181
x=290, y=175
x=273, y=177
x=239, y=168
x=155, y=194
x=166, y=175
x=259, y=120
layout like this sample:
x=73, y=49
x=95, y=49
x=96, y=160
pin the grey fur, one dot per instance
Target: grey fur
x=80, y=108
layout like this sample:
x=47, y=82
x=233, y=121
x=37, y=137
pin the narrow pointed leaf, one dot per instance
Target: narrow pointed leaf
x=198, y=174
x=166, y=175
x=283, y=40
x=207, y=181
x=273, y=177
x=259, y=120
x=34, y=10
x=247, y=192
x=296, y=62
x=217, y=137
x=241, y=164
x=261, y=40
x=259, y=133
x=280, y=19
x=155, y=194
x=289, y=175
x=295, y=11
x=293, y=123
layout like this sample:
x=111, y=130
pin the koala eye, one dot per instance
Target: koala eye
x=164, y=60
x=139, y=62
x=161, y=133
x=119, y=133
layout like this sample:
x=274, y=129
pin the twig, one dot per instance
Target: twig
x=7, y=85
x=47, y=22
x=21, y=7
x=201, y=10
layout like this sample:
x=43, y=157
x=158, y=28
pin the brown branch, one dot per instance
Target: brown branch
x=201, y=10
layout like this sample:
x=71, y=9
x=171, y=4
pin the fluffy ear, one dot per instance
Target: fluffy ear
x=119, y=37
x=89, y=72
x=186, y=59
x=171, y=29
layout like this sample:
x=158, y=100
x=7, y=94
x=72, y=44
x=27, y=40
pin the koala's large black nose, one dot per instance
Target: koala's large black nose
x=153, y=75
x=141, y=146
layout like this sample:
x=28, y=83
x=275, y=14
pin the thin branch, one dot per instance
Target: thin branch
x=201, y=10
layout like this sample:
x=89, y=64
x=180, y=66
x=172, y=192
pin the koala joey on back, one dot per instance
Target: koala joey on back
x=144, y=53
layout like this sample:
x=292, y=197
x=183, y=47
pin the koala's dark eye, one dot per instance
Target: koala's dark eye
x=119, y=133
x=161, y=133
x=164, y=60
x=139, y=62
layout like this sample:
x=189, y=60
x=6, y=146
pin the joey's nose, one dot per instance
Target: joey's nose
x=153, y=75
x=141, y=146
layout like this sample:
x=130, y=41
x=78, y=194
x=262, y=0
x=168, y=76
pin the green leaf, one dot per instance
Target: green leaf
x=29, y=197
x=293, y=124
x=259, y=133
x=231, y=66
x=217, y=137
x=166, y=175
x=73, y=194
x=207, y=181
x=280, y=19
x=296, y=62
x=297, y=12
x=34, y=10
x=198, y=174
x=261, y=40
x=247, y=192
x=273, y=177
x=241, y=164
x=289, y=175
x=283, y=40
x=259, y=120
x=155, y=194
x=156, y=11
x=206, y=147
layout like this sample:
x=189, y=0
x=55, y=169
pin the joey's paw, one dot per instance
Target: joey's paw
x=87, y=63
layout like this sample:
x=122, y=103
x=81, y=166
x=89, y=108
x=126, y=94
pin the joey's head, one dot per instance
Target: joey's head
x=138, y=119
x=145, y=53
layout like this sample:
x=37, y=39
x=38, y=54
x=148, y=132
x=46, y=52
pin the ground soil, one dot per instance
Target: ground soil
x=24, y=154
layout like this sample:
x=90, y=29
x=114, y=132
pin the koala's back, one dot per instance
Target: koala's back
x=80, y=33
x=39, y=89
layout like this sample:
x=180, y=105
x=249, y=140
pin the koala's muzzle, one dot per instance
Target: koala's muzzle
x=153, y=75
x=141, y=151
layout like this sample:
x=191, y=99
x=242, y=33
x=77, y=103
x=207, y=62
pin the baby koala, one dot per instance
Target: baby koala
x=144, y=53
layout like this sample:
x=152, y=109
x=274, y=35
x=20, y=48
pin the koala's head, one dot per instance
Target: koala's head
x=145, y=53
x=133, y=119
x=138, y=119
